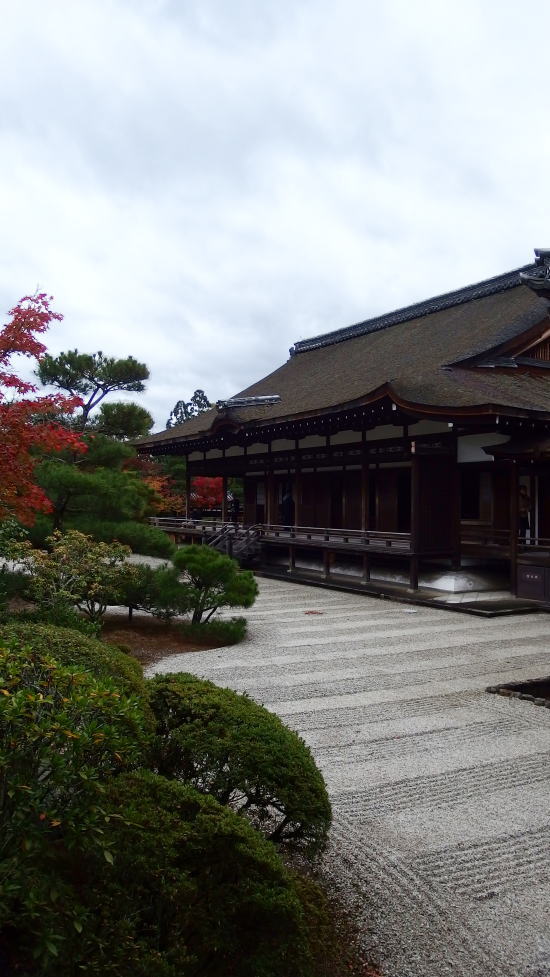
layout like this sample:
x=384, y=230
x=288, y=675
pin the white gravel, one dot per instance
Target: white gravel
x=440, y=791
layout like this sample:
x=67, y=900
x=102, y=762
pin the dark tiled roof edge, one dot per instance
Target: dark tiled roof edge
x=500, y=283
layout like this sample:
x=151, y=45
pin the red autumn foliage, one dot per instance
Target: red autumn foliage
x=167, y=500
x=206, y=493
x=28, y=425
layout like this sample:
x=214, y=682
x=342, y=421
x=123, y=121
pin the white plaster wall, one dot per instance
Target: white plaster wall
x=282, y=444
x=256, y=449
x=428, y=427
x=312, y=441
x=195, y=456
x=470, y=445
x=214, y=453
x=345, y=437
x=385, y=431
x=234, y=450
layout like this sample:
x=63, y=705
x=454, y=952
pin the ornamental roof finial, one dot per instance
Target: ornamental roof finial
x=260, y=401
x=539, y=278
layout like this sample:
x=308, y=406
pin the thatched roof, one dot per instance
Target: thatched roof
x=415, y=355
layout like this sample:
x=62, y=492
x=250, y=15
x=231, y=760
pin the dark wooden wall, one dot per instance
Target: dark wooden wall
x=437, y=501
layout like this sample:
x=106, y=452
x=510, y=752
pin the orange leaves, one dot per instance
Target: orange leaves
x=30, y=423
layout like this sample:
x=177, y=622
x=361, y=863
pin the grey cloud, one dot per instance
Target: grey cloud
x=201, y=184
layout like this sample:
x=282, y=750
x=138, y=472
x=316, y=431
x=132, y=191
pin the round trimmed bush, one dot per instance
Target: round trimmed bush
x=228, y=746
x=70, y=647
x=193, y=891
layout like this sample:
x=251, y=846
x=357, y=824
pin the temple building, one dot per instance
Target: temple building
x=412, y=446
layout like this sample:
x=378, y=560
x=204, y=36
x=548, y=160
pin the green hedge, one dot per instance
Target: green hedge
x=227, y=632
x=228, y=746
x=194, y=892
x=140, y=537
x=62, y=732
x=59, y=616
x=71, y=648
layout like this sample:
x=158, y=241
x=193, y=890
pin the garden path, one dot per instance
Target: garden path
x=440, y=791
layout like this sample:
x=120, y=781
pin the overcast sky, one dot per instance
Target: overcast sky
x=200, y=183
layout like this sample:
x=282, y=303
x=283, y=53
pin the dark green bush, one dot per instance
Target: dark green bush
x=140, y=537
x=74, y=649
x=193, y=892
x=13, y=583
x=40, y=530
x=212, y=580
x=228, y=746
x=227, y=632
x=62, y=732
x=58, y=615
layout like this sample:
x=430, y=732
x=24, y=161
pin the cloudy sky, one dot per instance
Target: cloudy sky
x=202, y=182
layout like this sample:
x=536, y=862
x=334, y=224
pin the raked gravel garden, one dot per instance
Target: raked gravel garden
x=440, y=791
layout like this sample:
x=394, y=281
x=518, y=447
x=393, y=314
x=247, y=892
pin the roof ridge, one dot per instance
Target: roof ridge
x=489, y=286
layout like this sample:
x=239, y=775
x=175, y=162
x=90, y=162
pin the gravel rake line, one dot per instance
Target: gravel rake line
x=362, y=659
x=365, y=715
x=449, y=789
x=429, y=741
x=487, y=868
x=469, y=632
x=442, y=941
x=380, y=682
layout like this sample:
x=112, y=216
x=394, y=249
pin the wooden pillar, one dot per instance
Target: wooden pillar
x=455, y=516
x=269, y=511
x=415, y=521
x=514, y=525
x=364, y=496
x=326, y=564
x=224, y=498
x=187, y=493
x=291, y=559
x=270, y=516
x=297, y=487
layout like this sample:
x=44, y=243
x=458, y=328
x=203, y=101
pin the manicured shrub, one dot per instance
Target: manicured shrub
x=58, y=615
x=78, y=570
x=227, y=632
x=213, y=580
x=140, y=537
x=71, y=648
x=228, y=746
x=40, y=530
x=166, y=598
x=62, y=731
x=193, y=891
x=13, y=583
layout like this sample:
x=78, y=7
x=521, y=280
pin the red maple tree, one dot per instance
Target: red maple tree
x=28, y=424
x=206, y=493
